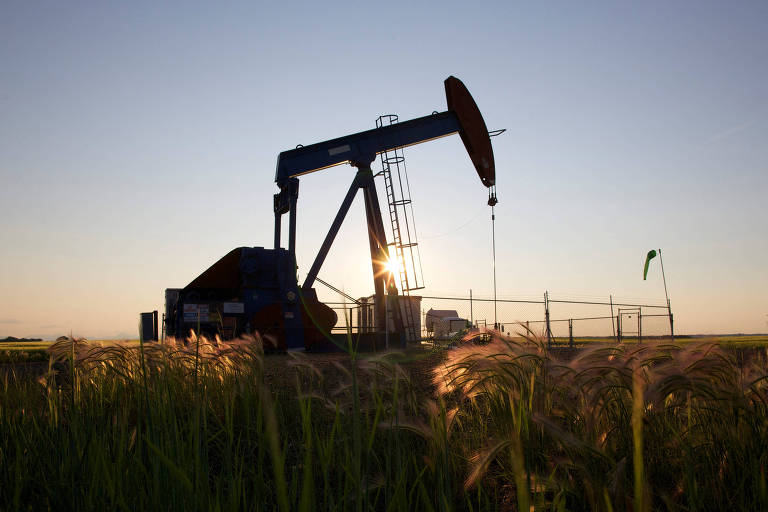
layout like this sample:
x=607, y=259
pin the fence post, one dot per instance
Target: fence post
x=618, y=328
x=570, y=332
x=386, y=322
x=613, y=326
x=546, y=319
x=471, y=311
x=639, y=325
x=671, y=321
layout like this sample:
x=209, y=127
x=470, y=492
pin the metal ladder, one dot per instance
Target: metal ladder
x=404, y=242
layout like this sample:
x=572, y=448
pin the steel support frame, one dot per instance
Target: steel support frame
x=377, y=241
x=285, y=202
x=357, y=183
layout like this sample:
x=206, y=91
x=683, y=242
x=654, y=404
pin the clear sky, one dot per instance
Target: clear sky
x=138, y=143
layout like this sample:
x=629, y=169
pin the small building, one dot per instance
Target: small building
x=442, y=323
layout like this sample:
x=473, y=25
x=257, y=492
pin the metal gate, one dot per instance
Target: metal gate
x=629, y=324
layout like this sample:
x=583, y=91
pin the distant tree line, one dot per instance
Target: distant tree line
x=13, y=339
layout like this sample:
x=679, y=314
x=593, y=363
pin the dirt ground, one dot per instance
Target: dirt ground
x=418, y=362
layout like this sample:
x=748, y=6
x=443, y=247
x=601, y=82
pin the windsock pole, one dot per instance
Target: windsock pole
x=664, y=277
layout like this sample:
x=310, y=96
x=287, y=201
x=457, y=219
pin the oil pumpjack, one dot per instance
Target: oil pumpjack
x=255, y=289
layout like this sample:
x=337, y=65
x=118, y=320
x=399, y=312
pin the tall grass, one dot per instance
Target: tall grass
x=690, y=423
x=207, y=425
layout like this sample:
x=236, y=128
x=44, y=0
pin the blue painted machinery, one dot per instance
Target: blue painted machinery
x=256, y=289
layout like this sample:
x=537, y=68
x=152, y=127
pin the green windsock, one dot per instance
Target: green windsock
x=651, y=255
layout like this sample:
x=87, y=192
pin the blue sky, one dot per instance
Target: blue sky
x=138, y=144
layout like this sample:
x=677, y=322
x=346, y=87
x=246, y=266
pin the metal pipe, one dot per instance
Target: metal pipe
x=377, y=244
x=605, y=303
x=484, y=300
x=323, y=252
x=292, y=232
x=278, y=227
x=340, y=292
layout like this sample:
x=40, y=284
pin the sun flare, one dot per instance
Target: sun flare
x=392, y=265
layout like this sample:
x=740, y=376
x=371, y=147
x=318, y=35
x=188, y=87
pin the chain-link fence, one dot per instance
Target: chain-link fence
x=556, y=319
x=481, y=312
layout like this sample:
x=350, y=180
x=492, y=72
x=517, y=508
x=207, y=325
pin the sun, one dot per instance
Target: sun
x=392, y=266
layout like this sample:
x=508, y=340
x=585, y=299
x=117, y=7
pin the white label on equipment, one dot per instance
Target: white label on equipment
x=234, y=307
x=288, y=314
x=340, y=149
x=195, y=312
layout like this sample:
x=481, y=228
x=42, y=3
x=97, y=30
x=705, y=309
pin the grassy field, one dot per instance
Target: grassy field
x=736, y=340
x=36, y=351
x=501, y=426
x=42, y=345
